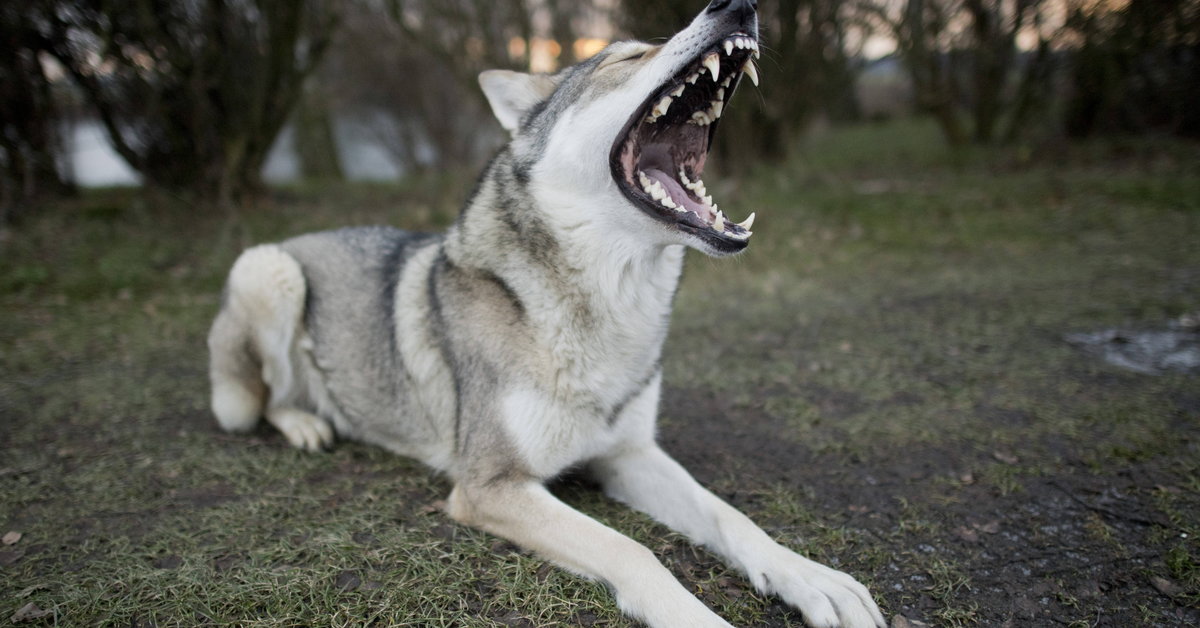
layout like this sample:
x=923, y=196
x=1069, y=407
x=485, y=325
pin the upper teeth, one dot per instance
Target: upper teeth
x=749, y=70
x=713, y=62
x=741, y=43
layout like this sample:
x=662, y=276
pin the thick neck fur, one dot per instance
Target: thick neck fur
x=597, y=299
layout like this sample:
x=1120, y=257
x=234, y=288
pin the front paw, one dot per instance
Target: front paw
x=826, y=597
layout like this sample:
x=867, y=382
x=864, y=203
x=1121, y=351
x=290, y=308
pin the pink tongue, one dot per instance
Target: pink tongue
x=679, y=195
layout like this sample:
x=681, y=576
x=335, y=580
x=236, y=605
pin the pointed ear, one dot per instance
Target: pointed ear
x=511, y=94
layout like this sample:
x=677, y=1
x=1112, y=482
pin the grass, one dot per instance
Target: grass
x=881, y=381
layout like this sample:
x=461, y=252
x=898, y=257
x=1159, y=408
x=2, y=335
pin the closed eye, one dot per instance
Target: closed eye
x=615, y=60
x=636, y=53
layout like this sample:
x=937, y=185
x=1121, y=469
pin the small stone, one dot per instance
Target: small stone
x=347, y=581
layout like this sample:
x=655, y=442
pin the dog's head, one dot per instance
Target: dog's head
x=631, y=128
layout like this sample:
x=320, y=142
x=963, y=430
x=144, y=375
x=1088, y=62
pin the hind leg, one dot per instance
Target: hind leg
x=253, y=345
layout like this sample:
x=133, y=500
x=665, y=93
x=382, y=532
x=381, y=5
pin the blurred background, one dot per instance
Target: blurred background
x=212, y=100
x=958, y=360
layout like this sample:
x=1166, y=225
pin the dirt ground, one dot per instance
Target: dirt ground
x=1076, y=545
x=884, y=382
x=1078, y=537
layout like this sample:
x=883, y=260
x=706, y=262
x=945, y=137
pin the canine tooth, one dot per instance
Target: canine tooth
x=749, y=70
x=713, y=62
x=745, y=224
x=678, y=91
x=719, y=222
x=729, y=47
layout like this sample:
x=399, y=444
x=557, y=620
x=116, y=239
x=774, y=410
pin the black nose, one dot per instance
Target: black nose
x=741, y=8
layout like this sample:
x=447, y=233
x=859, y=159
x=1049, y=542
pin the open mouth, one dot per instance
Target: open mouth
x=659, y=158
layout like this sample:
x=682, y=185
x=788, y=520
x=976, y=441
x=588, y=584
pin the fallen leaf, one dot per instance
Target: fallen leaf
x=11, y=538
x=1005, y=457
x=967, y=534
x=900, y=621
x=437, y=506
x=29, y=612
x=1166, y=587
x=990, y=527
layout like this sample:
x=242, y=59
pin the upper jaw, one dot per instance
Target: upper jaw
x=658, y=157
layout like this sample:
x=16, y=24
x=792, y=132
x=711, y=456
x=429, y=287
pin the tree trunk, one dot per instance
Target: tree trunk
x=31, y=147
x=316, y=147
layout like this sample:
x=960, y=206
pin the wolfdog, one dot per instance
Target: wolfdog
x=525, y=341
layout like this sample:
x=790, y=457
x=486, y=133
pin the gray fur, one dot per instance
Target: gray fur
x=524, y=342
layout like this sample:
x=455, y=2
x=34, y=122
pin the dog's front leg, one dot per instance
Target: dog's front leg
x=525, y=513
x=649, y=480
